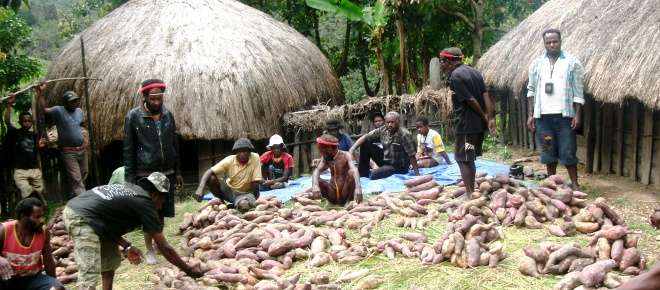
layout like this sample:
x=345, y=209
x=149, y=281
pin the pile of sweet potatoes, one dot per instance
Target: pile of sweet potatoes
x=62, y=249
x=596, y=216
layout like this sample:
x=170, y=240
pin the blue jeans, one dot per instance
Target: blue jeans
x=36, y=282
x=556, y=140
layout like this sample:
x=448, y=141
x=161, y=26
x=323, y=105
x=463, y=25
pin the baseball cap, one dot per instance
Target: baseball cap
x=160, y=181
x=70, y=96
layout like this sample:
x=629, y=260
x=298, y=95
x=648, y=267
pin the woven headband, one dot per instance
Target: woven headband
x=325, y=142
x=449, y=55
x=151, y=86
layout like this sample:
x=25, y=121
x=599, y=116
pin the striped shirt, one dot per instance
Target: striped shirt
x=573, y=89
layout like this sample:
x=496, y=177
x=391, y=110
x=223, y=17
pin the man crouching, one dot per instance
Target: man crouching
x=344, y=184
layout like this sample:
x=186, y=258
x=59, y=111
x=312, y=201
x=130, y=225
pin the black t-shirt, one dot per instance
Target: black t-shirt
x=465, y=83
x=23, y=146
x=116, y=209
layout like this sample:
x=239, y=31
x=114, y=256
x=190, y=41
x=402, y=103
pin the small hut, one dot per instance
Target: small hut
x=618, y=43
x=232, y=71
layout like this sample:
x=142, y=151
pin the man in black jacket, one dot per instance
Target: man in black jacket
x=151, y=145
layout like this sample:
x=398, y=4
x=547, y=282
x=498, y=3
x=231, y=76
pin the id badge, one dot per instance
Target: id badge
x=549, y=88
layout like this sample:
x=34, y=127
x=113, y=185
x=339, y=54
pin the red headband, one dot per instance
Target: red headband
x=324, y=142
x=449, y=55
x=151, y=86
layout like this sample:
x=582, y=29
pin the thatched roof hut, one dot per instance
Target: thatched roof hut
x=231, y=70
x=617, y=41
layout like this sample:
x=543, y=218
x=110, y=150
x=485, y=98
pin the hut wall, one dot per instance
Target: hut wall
x=615, y=139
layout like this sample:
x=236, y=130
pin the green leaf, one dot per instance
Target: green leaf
x=346, y=8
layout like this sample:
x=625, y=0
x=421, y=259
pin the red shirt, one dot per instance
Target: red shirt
x=26, y=261
x=267, y=157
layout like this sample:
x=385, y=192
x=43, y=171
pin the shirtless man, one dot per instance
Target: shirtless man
x=344, y=182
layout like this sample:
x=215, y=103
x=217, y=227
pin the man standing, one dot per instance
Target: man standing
x=26, y=251
x=473, y=111
x=430, y=148
x=236, y=178
x=398, y=147
x=276, y=164
x=98, y=218
x=70, y=141
x=24, y=144
x=150, y=145
x=555, y=95
x=344, y=184
x=371, y=152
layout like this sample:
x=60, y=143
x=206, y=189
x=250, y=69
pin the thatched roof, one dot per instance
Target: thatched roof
x=434, y=103
x=617, y=41
x=231, y=70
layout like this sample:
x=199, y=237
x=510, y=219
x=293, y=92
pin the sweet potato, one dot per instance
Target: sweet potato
x=430, y=194
x=320, y=259
x=473, y=252
x=568, y=282
x=604, y=249
x=369, y=282
x=348, y=276
x=414, y=237
x=579, y=264
x=280, y=247
x=458, y=192
x=421, y=187
x=527, y=266
x=556, y=230
x=609, y=212
x=252, y=239
x=538, y=255
x=320, y=278
x=594, y=274
x=632, y=240
x=564, y=252
x=532, y=223
x=612, y=281
x=418, y=180
x=586, y=227
x=611, y=234
x=631, y=257
x=617, y=250
x=632, y=270
x=654, y=218
x=562, y=267
x=227, y=277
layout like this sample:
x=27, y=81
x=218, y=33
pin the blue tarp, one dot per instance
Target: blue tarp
x=443, y=174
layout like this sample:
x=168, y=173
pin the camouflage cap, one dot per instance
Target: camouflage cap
x=160, y=181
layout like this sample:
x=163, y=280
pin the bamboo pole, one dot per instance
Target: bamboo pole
x=92, y=141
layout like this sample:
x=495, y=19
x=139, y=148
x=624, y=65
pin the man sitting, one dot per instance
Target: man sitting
x=26, y=250
x=235, y=179
x=430, y=148
x=344, y=182
x=334, y=128
x=371, y=152
x=398, y=148
x=276, y=164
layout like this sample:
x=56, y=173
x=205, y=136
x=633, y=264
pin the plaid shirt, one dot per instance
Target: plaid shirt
x=574, y=87
x=398, y=147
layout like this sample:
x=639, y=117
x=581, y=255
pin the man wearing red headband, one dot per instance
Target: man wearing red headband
x=344, y=184
x=473, y=111
x=151, y=145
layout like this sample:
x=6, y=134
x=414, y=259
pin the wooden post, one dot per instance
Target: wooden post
x=296, y=155
x=521, y=122
x=606, y=139
x=513, y=120
x=504, y=108
x=647, y=147
x=588, y=124
x=90, y=129
x=598, y=125
x=620, y=135
x=634, y=106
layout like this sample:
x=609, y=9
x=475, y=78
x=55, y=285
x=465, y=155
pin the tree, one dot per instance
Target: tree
x=14, y=4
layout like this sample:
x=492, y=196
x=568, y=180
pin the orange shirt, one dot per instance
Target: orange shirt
x=25, y=260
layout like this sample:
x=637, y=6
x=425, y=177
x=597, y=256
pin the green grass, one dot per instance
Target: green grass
x=404, y=273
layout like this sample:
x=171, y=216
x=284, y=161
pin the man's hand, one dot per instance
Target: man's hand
x=179, y=181
x=6, y=271
x=198, y=195
x=576, y=123
x=358, y=195
x=269, y=182
x=42, y=143
x=215, y=201
x=492, y=127
x=531, y=124
x=134, y=255
x=316, y=193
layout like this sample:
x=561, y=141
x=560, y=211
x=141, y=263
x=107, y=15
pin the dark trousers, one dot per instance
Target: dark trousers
x=369, y=151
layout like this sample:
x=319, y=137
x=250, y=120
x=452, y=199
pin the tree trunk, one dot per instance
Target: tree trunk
x=342, y=66
x=365, y=81
x=478, y=29
x=384, y=74
x=317, y=35
x=401, y=31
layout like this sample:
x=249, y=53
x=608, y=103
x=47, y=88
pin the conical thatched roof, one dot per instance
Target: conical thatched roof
x=232, y=71
x=617, y=41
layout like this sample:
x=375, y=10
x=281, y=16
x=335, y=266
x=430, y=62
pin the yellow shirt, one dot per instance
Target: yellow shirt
x=239, y=177
x=431, y=143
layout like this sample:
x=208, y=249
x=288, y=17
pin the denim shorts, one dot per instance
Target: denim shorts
x=556, y=140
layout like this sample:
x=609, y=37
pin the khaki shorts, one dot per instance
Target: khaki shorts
x=28, y=180
x=93, y=255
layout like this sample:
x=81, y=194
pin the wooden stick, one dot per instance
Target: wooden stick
x=48, y=81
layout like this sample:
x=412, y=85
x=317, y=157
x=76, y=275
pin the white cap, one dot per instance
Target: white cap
x=275, y=140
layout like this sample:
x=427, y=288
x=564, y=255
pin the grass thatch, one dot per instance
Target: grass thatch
x=436, y=104
x=617, y=41
x=228, y=67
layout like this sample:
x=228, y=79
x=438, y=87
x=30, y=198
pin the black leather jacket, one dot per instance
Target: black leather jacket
x=145, y=148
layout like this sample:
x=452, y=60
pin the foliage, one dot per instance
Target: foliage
x=15, y=65
x=14, y=4
x=83, y=13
